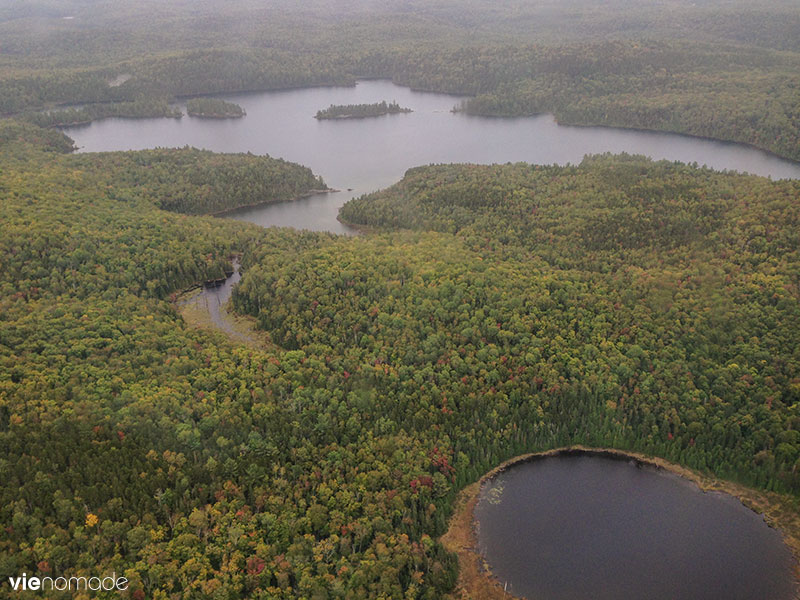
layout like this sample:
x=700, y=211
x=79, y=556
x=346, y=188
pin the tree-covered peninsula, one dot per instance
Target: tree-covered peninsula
x=146, y=108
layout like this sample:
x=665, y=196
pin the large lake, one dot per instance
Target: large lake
x=369, y=154
x=589, y=527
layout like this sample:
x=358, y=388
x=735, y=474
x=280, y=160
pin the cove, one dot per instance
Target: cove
x=363, y=155
x=578, y=526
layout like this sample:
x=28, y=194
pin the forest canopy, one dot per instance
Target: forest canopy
x=492, y=310
x=508, y=309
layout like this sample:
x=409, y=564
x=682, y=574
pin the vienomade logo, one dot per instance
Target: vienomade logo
x=68, y=584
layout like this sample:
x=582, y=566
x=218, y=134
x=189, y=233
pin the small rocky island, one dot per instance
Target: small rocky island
x=213, y=108
x=361, y=111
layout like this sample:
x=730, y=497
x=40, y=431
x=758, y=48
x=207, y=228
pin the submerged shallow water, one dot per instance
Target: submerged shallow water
x=592, y=527
x=370, y=154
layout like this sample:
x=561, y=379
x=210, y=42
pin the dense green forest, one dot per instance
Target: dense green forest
x=213, y=108
x=360, y=111
x=492, y=310
x=662, y=295
x=134, y=443
x=512, y=308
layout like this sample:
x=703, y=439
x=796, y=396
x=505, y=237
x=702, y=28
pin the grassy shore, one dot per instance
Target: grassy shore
x=240, y=329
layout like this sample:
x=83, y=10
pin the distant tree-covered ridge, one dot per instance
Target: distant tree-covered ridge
x=361, y=111
x=213, y=108
x=727, y=71
x=655, y=86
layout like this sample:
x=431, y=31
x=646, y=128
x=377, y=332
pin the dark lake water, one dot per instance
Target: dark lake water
x=370, y=154
x=588, y=527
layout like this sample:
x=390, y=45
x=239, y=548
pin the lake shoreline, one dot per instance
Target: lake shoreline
x=476, y=580
x=361, y=229
x=98, y=119
x=227, y=211
x=213, y=116
x=592, y=125
x=427, y=138
x=455, y=110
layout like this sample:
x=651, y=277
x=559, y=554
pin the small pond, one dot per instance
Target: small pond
x=585, y=527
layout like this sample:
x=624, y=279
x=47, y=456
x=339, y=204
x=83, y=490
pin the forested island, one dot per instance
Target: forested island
x=213, y=108
x=491, y=311
x=360, y=111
